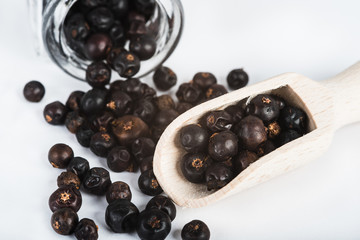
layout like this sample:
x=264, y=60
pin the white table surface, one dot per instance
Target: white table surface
x=315, y=38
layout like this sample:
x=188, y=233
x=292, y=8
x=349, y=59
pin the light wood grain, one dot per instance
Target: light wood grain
x=329, y=106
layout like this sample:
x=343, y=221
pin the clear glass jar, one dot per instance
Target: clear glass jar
x=47, y=19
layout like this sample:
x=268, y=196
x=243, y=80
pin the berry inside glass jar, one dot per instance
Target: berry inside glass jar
x=76, y=33
x=229, y=140
x=93, y=31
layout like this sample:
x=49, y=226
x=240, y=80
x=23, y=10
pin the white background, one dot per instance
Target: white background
x=315, y=38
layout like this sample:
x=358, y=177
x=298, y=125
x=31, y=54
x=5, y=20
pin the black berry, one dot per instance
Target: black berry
x=118, y=190
x=60, y=155
x=153, y=224
x=97, y=181
x=34, y=91
x=65, y=197
x=79, y=166
x=237, y=78
x=195, y=229
x=98, y=74
x=86, y=229
x=64, y=221
x=164, y=204
x=121, y=216
x=164, y=78
x=55, y=113
x=143, y=46
x=194, y=138
x=148, y=183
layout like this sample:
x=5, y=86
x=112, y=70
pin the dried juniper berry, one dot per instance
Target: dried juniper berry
x=286, y=137
x=243, y=160
x=164, y=118
x=143, y=147
x=274, y=129
x=73, y=121
x=217, y=121
x=121, y=216
x=98, y=74
x=148, y=183
x=193, y=167
x=119, y=103
x=265, y=107
x=236, y=112
x=251, y=132
x=214, y=91
x=126, y=64
x=65, y=197
x=194, y=138
x=55, y=113
x=119, y=159
x=84, y=134
x=60, y=155
x=189, y=93
x=68, y=179
x=128, y=128
x=97, y=46
x=217, y=175
x=265, y=148
x=64, y=221
x=164, y=102
x=76, y=28
x=103, y=121
x=86, y=229
x=146, y=163
x=145, y=109
x=101, y=143
x=118, y=190
x=100, y=18
x=79, y=166
x=223, y=145
x=117, y=34
x=195, y=229
x=34, y=91
x=164, y=204
x=73, y=101
x=293, y=118
x=204, y=80
x=153, y=224
x=182, y=107
x=237, y=78
x=143, y=46
x=113, y=53
x=164, y=78
x=94, y=101
x=97, y=181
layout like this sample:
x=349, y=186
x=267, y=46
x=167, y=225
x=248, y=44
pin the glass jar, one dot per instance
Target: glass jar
x=47, y=20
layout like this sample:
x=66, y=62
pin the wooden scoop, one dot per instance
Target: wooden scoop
x=329, y=105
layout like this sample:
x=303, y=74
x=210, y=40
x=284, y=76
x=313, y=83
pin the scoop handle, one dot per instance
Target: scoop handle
x=346, y=89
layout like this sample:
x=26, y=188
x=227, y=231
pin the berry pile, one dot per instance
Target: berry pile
x=121, y=122
x=225, y=142
x=121, y=215
x=99, y=30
